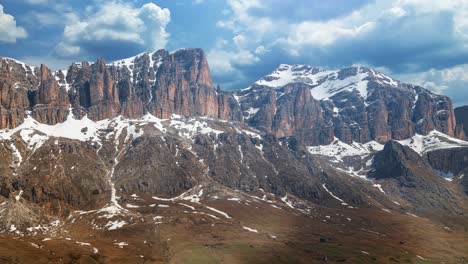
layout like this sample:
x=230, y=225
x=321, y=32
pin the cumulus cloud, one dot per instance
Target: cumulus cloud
x=382, y=26
x=224, y=63
x=242, y=19
x=9, y=31
x=116, y=25
x=324, y=34
x=50, y=19
x=451, y=81
x=224, y=60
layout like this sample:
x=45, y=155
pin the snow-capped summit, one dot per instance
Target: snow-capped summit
x=326, y=83
x=286, y=74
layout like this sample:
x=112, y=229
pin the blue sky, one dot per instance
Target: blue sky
x=419, y=41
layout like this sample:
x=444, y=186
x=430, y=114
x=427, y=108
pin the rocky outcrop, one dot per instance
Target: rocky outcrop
x=396, y=161
x=184, y=86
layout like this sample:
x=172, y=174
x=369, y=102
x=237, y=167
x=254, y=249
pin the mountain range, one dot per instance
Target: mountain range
x=145, y=160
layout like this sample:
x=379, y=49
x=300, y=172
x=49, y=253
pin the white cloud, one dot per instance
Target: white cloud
x=442, y=76
x=242, y=20
x=222, y=61
x=324, y=34
x=45, y=19
x=261, y=50
x=239, y=40
x=9, y=32
x=113, y=23
x=369, y=19
x=451, y=81
x=50, y=19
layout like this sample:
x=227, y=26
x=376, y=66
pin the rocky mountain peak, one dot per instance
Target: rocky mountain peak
x=353, y=104
x=326, y=83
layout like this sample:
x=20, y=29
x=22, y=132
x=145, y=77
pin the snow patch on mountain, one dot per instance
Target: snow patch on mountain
x=35, y=134
x=286, y=74
x=326, y=83
x=333, y=85
x=419, y=143
x=432, y=141
x=339, y=149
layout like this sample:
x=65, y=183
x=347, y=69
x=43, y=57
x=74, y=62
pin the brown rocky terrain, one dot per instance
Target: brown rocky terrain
x=143, y=161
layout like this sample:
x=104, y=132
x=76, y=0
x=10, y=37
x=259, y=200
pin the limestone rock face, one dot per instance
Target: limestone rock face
x=50, y=101
x=433, y=112
x=228, y=107
x=160, y=83
x=184, y=86
x=16, y=79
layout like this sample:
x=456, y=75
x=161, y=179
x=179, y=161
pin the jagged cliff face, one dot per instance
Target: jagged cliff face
x=160, y=83
x=16, y=79
x=353, y=104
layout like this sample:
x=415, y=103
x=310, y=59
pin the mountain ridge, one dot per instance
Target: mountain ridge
x=131, y=87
